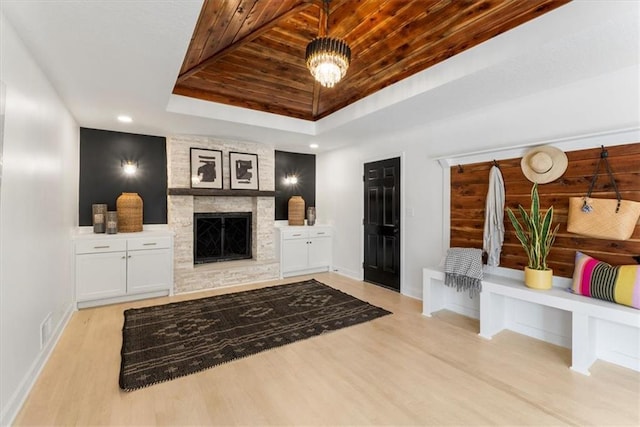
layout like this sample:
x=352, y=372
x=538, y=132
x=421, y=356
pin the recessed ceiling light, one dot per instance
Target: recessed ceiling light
x=125, y=119
x=313, y=145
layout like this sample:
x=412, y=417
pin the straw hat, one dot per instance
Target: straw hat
x=544, y=164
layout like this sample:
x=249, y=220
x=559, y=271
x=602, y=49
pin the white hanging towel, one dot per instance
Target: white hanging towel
x=494, y=217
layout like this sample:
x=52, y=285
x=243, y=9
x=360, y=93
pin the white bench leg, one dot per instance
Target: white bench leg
x=492, y=312
x=433, y=297
x=583, y=338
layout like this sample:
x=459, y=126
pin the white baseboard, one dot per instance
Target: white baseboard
x=415, y=293
x=630, y=361
x=359, y=275
x=464, y=310
x=18, y=398
x=540, y=333
x=356, y=275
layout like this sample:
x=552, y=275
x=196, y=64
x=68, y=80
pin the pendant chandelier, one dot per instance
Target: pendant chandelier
x=327, y=58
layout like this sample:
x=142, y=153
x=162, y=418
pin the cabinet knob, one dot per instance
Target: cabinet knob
x=122, y=257
x=128, y=256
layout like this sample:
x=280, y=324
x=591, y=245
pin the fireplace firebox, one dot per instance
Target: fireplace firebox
x=221, y=236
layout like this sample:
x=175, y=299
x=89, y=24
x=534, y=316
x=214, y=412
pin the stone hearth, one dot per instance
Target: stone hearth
x=264, y=265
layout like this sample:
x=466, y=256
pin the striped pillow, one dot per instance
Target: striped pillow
x=597, y=279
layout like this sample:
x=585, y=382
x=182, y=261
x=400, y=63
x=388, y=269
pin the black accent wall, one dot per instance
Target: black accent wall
x=102, y=179
x=304, y=167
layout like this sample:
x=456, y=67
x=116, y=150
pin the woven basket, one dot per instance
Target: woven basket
x=296, y=210
x=129, y=206
x=603, y=222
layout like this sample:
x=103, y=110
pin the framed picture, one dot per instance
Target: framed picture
x=244, y=171
x=206, y=168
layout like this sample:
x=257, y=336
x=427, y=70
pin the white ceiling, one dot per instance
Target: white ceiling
x=113, y=57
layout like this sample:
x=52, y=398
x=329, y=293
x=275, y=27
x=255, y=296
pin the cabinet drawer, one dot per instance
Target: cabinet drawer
x=140, y=243
x=100, y=245
x=320, y=232
x=295, y=234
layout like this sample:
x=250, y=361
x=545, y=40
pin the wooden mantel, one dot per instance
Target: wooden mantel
x=212, y=192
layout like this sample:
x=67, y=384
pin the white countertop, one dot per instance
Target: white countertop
x=149, y=230
x=303, y=226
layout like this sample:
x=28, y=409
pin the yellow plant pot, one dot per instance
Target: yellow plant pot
x=538, y=279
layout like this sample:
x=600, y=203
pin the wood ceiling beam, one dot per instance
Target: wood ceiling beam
x=316, y=99
x=247, y=39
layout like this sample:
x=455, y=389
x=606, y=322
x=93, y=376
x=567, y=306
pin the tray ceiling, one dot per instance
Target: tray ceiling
x=250, y=53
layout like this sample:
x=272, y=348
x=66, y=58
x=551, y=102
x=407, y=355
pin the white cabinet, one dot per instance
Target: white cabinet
x=295, y=255
x=149, y=264
x=303, y=249
x=120, y=267
x=101, y=275
x=320, y=251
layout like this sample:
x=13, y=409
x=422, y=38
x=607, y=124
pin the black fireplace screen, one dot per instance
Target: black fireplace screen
x=221, y=236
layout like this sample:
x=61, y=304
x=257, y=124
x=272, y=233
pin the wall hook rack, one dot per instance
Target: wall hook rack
x=604, y=153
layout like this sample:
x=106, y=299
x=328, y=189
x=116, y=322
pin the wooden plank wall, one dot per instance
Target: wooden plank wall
x=469, y=185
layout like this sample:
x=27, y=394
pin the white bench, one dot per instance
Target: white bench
x=497, y=291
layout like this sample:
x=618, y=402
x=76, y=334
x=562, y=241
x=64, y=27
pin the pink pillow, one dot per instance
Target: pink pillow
x=597, y=279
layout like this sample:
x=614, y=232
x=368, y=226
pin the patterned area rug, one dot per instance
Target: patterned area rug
x=169, y=341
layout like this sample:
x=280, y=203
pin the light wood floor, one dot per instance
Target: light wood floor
x=402, y=369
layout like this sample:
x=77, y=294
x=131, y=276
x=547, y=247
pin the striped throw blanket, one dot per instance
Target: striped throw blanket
x=463, y=269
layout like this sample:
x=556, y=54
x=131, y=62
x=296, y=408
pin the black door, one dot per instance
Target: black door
x=382, y=223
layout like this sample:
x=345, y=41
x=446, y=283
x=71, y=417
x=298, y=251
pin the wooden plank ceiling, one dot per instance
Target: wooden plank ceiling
x=250, y=53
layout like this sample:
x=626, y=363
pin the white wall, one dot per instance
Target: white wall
x=38, y=210
x=340, y=200
x=609, y=101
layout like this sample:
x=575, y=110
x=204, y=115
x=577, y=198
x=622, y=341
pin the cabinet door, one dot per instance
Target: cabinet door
x=294, y=255
x=101, y=275
x=149, y=270
x=319, y=252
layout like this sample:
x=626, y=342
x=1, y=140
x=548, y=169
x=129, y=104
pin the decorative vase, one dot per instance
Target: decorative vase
x=112, y=222
x=538, y=279
x=98, y=217
x=129, y=206
x=311, y=215
x=296, y=210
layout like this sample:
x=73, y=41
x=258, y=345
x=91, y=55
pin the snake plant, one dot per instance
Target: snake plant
x=535, y=233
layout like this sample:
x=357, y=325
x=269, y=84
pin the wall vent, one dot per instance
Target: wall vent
x=45, y=331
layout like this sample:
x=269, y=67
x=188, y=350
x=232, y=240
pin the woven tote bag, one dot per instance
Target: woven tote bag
x=604, y=220
x=613, y=219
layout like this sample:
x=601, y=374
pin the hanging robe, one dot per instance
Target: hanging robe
x=494, y=217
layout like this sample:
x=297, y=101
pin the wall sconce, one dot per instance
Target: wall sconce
x=129, y=167
x=290, y=179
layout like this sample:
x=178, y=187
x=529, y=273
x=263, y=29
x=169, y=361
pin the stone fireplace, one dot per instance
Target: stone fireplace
x=181, y=208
